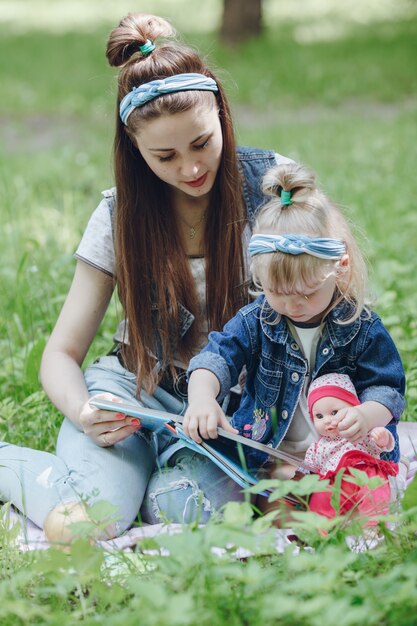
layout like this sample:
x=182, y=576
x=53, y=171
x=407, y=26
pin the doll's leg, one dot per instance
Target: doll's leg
x=191, y=488
x=320, y=503
x=376, y=501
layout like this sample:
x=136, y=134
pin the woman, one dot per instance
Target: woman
x=173, y=241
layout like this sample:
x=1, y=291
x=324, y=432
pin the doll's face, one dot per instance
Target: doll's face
x=325, y=412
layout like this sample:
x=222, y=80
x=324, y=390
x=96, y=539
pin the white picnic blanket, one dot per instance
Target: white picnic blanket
x=32, y=537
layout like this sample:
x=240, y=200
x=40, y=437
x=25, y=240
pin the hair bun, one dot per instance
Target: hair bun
x=289, y=177
x=133, y=31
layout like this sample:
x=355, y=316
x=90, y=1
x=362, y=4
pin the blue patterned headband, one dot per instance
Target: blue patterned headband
x=149, y=91
x=320, y=247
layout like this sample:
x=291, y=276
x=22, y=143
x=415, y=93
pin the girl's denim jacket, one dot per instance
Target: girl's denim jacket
x=276, y=369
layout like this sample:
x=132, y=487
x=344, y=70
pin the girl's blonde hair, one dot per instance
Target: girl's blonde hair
x=310, y=213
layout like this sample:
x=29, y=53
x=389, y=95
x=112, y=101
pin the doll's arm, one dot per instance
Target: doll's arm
x=382, y=438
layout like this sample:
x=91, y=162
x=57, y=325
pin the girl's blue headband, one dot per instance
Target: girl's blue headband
x=155, y=88
x=320, y=247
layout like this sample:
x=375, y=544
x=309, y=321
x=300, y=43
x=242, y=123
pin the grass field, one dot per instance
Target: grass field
x=335, y=90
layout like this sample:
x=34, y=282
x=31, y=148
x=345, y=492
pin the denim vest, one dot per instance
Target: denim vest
x=277, y=368
x=252, y=163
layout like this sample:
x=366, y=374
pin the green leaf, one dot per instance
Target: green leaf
x=32, y=364
x=102, y=511
x=336, y=492
x=409, y=500
x=238, y=513
x=361, y=478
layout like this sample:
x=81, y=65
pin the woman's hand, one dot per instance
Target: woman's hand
x=106, y=428
x=202, y=419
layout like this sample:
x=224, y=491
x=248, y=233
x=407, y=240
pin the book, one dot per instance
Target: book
x=226, y=451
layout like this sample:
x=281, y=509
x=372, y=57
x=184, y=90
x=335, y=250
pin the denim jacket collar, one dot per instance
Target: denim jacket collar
x=341, y=334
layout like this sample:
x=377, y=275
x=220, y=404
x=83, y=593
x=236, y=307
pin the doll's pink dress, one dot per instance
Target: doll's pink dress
x=328, y=456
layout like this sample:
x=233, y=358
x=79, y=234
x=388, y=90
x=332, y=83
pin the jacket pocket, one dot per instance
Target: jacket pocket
x=267, y=386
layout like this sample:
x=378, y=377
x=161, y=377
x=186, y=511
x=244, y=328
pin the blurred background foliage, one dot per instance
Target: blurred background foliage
x=331, y=84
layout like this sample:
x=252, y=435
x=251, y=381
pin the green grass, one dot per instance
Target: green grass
x=373, y=63
x=346, y=107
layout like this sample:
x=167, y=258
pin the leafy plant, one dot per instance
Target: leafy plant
x=346, y=107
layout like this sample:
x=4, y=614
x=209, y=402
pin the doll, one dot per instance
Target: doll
x=346, y=442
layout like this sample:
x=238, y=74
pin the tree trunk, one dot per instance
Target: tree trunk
x=242, y=19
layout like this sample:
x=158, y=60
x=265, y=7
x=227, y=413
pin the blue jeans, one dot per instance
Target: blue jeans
x=188, y=488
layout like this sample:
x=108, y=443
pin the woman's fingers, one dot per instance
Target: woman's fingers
x=101, y=415
x=111, y=437
x=107, y=427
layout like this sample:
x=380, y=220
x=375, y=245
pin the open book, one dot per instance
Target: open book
x=226, y=451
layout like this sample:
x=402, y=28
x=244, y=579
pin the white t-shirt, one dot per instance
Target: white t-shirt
x=96, y=248
x=301, y=432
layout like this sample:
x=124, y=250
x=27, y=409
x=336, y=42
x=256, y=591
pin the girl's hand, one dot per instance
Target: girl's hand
x=381, y=436
x=202, y=419
x=351, y=423
x=106, y=428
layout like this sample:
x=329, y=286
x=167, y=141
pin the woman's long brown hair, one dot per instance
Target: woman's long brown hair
x=153, y=273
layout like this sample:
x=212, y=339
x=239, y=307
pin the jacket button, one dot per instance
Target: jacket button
x=325, y=351
x=284, y=414
x=294, y=346
x=295, y=377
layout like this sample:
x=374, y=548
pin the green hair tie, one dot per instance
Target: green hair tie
x=286, y=198
x=147, y=47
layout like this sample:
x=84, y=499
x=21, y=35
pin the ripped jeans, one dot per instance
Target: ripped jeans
x=188, y=488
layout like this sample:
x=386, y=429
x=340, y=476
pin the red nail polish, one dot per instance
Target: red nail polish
x=135, y=422
x=120, y=416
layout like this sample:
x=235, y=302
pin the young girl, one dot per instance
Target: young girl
x=309, y=319
x=331, y=399
x=173, y=240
